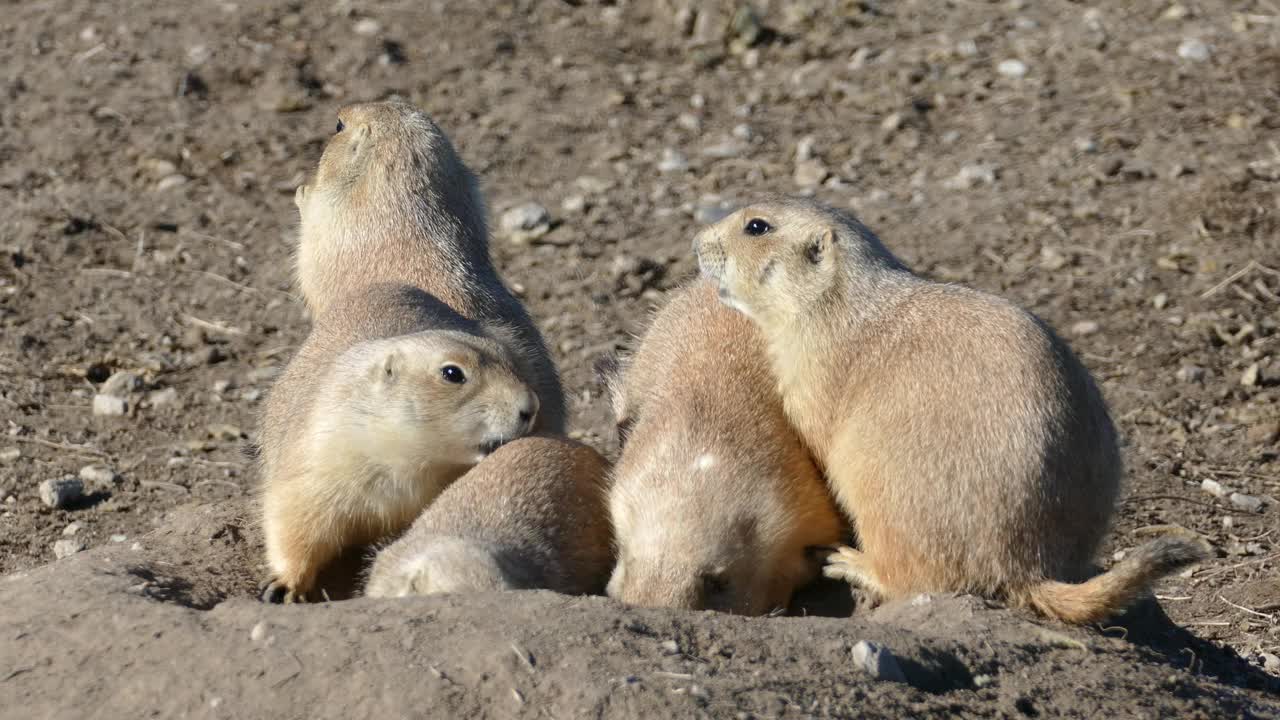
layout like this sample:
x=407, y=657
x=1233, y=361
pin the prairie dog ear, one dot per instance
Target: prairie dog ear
x=388, y=370
x=818, y=250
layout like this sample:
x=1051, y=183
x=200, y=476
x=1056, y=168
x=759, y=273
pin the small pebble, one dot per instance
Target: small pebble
x=71, y=529
x=163, y=398
x=1012, y=68
x=1271, y=663
x=1086, y=145
x=877, y=662
x=121, y=384
x=981, y=681
x=672, y=161
x=1248, y=503
x=1190, y=373
x=171, y=181
x=367, y=27
x=10, y=454
x=1251, y=376
x=1160, y=301
x=804, y=148
x=525, y=222
x=67, y=547
x=109, y=405
x=221, y=386
x=1214, y=488
x=119, y=538
x=1193, y=49
x=258, y=632
x=1228, y=522
x=61, y=492
x=97, y=474
x=670, y=647
x=251, y=395
x=574, y=204
x=972, y=175
x=1085, y=328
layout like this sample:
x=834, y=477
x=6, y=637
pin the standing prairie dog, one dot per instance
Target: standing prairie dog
x=969, y=445
x=388, y=401
x=529, y=516
x=392, y=202
x=715, y=502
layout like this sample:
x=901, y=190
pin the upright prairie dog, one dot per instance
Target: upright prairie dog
x=385, y=404
x=970, y=446
x=715, y=502
x=530, y=516
x=392, y=202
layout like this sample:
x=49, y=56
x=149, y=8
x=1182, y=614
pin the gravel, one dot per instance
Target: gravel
x=61, y=492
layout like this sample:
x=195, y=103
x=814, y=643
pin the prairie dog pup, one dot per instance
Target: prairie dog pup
x=391, y=201
x=530, y=516
x=384, y=405
x=970, y=446
x=714, y=500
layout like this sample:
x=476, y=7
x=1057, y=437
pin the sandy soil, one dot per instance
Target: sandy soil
x=1116, y=170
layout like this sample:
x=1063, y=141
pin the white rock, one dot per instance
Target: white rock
x=109, y=405
x=524, y=222
x=574, y=204
x=1086, y=145
x=1012, y=68
x=367, y=27
x=97, y=474
x=672, y=161
x=877, y=662
x=1190, y=373
x=163, y=398
x=1193, y=49
x=1214, y=488
x=67, y=547
x=121, y=384
x=804, y=148
x=1248, y=503
x=119, y=538
x=1085, y=328
x=60, y=492
x=972, y=175
x=10, y=454
x=169, y=182
x=71, y=529
x=810, y=173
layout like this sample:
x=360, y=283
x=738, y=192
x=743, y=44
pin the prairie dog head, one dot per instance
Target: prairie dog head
x=780, y=257
x=435, y=396
x=702, y=530
x=446, y=565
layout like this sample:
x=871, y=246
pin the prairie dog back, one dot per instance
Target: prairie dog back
x=392, y=202
x=531, y=515
x=715, y=502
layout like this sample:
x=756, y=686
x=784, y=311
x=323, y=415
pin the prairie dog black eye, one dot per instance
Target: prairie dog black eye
x=340, y=126
x=453, y=374
x=757, y=227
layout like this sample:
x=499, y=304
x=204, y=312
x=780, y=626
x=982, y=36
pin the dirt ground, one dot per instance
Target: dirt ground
x=1115, y=169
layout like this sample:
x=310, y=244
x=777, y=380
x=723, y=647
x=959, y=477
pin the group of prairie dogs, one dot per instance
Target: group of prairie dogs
x=807, y=385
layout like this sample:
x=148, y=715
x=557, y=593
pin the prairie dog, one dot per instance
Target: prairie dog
x=391, y=202
x=715, y=502
x=970, y=446
x=530, y=516
x=386, y=403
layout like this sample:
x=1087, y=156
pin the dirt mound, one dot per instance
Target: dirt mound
x=167, y=627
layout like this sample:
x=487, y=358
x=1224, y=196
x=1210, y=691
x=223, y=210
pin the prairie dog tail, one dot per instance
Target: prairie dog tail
x=1104, y=595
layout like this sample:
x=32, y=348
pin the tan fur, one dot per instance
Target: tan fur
x=530, y=516
x=391, y=201
x=970, y=446
x=362, y=430
x=714, y=500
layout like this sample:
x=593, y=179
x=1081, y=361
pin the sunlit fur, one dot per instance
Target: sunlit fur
x=391, y=202
x=530, y=516
x=362, y=430
x=970, y=446
x=714, y=500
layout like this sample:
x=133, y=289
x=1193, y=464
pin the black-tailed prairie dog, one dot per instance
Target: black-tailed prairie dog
x=970, y=446
x=391, y=202
x=715, y=503
x=385, y=404
x=530, y=516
